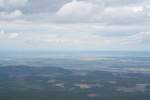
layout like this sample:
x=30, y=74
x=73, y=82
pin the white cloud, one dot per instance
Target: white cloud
x=13, y=35
x=11, y=15
x=132, y=14
x=8, y=35
x=16, y=13
x=76, y=9
x=88, y=11
x=137, y=9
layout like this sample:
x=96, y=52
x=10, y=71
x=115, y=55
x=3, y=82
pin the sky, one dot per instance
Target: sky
x=122, y=25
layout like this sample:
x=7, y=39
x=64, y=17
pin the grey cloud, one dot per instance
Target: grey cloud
x=43, y=6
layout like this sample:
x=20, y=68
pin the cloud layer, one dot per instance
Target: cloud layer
x=75, y=24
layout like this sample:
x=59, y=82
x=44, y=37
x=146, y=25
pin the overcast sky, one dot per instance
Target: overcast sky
x=75, y=25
